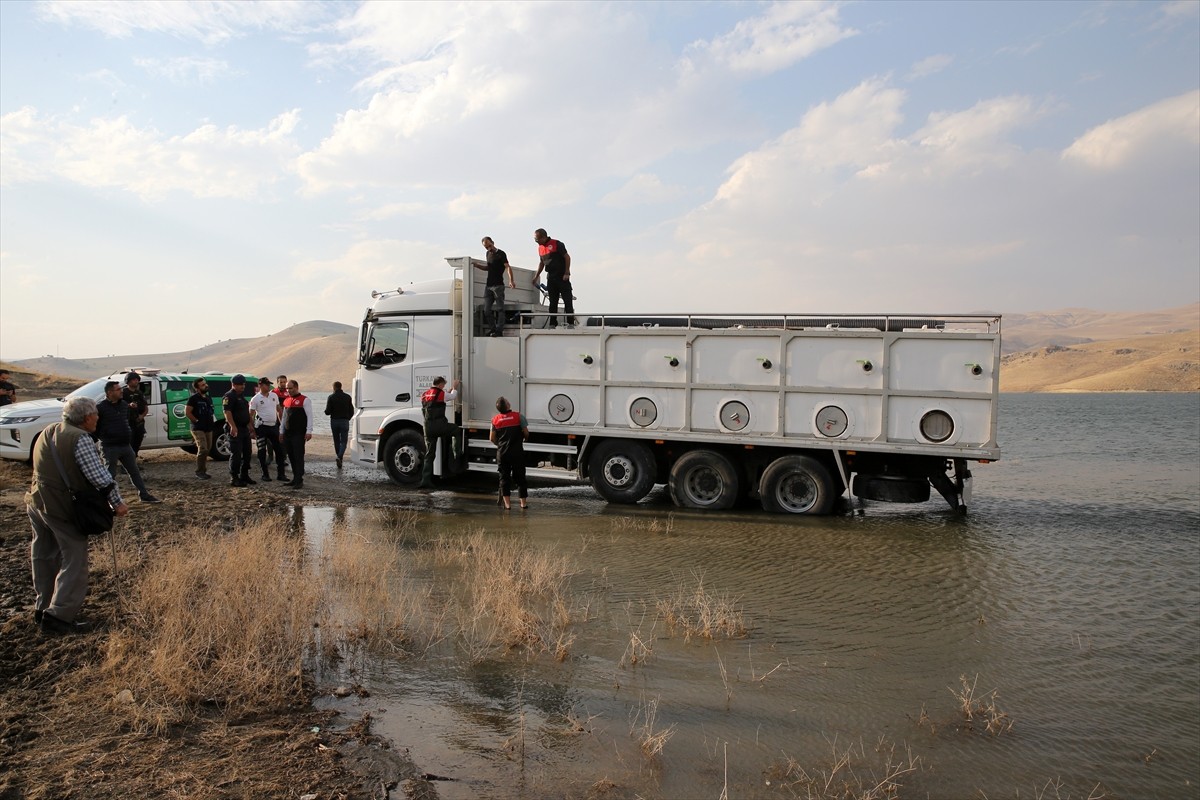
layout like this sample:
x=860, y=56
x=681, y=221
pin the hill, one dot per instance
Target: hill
x=1164, y=363
x=315, y=353
x=1072, y=326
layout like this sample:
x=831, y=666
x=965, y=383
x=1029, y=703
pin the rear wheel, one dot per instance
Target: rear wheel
x=622, y=470
x=796, y=485
x=403, y=454
x=704, y=479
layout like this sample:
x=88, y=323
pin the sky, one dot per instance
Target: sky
x=173, y=174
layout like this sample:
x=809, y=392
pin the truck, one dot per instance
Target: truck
x=790, y=411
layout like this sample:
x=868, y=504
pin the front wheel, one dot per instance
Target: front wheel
x=402, y=456
x=622, y=470
x=704, y=479
x=796, y=485
x=221, y=448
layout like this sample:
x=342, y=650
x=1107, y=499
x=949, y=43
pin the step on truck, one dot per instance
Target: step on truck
x=791, y=411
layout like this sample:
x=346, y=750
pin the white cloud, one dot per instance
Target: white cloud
x=642, y=189
x=785, y=33
x=186, y=69
x=1177, y=12
x=373, y=264
x=930, y=66
x=1168, y=124
x=844, y=212
x=206, y=162
x=515, y=202
x=460, y=97
x=210, y=22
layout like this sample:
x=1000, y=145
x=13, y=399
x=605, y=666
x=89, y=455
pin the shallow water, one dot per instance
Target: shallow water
x=1072, y=588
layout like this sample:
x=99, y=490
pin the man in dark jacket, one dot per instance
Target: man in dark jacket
x=115, y=436
x=438, y=428
x=237, y=422
x=295, y=430
x=132, y=396
x=199, y=411
x=340, y=411
x=509, y=432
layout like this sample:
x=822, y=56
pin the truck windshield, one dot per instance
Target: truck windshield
x=386, y=343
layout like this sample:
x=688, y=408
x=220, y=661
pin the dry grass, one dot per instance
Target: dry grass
x=645, y=729
x=852, y=773
x=982, y=708
x=373, y=597
x=697, y=612
x=221, y=621
x=506, y=596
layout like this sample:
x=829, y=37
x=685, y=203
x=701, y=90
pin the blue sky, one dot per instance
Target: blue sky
x=176, y=173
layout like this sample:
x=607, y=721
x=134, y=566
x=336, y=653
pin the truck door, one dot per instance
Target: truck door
x=386, y=381
x=156, y=419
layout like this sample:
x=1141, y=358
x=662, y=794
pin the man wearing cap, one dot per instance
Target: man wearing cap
x=264, y=416
x=237, y=422
x=112, y=429
x=132, y=397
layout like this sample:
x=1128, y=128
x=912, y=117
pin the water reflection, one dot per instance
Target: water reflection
x=1079, y=604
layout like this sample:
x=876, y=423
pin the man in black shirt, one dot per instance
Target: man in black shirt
x=114, y=434
x=493, y=291
x=199, y=411
x=132, y=396
x=237, y=422
x=340, y=410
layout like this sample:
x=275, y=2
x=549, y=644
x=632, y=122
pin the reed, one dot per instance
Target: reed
x=644, y=728
x=697, y=612
x=850, y=773
x=221, y=621
x=980, y=708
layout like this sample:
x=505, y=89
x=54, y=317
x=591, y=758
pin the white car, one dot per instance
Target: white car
x=166, y=423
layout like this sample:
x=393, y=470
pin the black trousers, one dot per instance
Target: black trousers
x=557, y=287
x=512, y=472
x=267, y=438
x=293, y=443
x=239, y=452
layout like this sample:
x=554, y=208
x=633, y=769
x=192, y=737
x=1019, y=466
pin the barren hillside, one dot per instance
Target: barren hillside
x=1164, y=363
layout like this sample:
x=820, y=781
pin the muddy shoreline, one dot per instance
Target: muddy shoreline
x=60, y=733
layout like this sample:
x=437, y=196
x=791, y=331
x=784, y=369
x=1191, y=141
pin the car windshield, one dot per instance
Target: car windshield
x=94, y=390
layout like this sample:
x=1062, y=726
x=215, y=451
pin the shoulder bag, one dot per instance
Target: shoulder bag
x=93, y=514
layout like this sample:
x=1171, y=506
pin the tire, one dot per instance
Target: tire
x=796, y=485
x=622, y=470
x=891, y=489
x=704, y=479
x=403, y=454
x=221, y=449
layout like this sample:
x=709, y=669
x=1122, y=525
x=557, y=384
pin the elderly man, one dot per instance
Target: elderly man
x=59, y=552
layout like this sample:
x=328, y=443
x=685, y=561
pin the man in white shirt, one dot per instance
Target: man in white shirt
x=264, y=417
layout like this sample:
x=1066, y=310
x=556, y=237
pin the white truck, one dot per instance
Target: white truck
x=789, y=410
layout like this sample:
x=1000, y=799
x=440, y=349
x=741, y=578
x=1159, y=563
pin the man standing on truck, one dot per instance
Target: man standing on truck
x=509, y=432
x=554, y=258
x=237, y=420
x=438, y=428
x=296, y=429
x=493, y=291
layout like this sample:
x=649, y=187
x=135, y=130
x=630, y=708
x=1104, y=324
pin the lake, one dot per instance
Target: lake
x=1068, y=599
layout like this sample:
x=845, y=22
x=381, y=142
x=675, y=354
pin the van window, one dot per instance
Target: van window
x=388, y=344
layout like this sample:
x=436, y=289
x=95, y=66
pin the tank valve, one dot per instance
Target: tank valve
x=766, y=363
x=866, y=364
x=672, y=360
x=976, y=370
x=586, y=358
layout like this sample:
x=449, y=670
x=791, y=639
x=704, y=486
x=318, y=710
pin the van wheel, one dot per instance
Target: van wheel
x=622, y=470
x=704, y=479
x=796, y=485
x=221, y=448
x=402, y=456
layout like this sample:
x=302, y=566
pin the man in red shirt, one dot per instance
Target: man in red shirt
x=554, y=258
